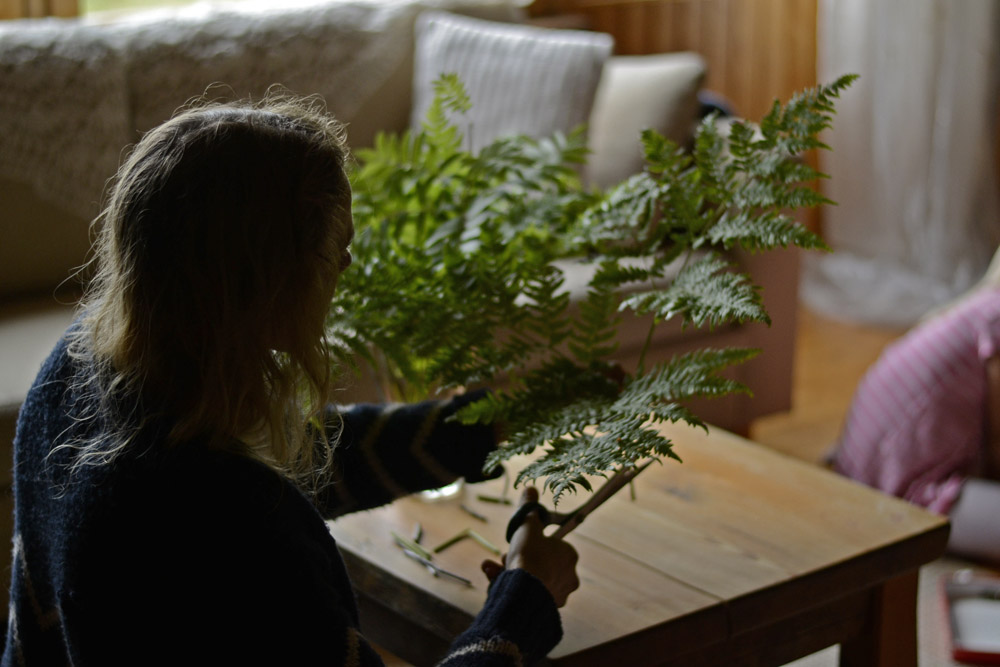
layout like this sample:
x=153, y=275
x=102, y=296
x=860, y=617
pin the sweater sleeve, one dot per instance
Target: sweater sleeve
x=383, y=452
x=518, y=625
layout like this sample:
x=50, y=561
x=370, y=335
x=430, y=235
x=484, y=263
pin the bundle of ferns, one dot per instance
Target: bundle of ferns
x=456, y=281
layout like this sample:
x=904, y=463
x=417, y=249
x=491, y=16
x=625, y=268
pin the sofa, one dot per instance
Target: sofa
x=75, y=91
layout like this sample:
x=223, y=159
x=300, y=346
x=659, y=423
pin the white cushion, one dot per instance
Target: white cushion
x=639, y=92
x=520, y=79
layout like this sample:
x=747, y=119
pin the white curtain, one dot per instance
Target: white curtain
x=913, y=166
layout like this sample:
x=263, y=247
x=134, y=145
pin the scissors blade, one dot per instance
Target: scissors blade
x=608, y=489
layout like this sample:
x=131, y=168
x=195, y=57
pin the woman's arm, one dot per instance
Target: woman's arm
x=520, y=622
x=991, y=458
x=974, y=530
x=382, y=452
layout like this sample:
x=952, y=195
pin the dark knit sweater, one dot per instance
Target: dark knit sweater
x=190, y=555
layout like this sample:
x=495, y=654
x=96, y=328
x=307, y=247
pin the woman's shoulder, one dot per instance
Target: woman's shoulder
x=211, y=537
x=969, y=330
x=193, y=509
x=979, y=306
x=55, y=374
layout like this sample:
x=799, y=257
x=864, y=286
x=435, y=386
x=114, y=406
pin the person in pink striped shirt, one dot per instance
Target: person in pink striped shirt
x=924, y=423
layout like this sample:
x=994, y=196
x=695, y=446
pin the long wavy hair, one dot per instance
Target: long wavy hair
x=216, y=255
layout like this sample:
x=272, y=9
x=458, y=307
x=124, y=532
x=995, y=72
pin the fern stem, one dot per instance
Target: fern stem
x=623, y=477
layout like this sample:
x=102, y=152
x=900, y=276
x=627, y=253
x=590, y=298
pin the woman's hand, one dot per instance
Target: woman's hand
x=549, y=559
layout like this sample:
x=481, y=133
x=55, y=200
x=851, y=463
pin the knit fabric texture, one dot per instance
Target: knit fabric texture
x=191, y=555
x=916, y=426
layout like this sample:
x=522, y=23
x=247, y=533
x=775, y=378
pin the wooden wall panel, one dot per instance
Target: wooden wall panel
x=17, y=9
x=11, y=9
x=756, y=50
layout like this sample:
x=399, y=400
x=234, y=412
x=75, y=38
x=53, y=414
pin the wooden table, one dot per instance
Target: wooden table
x=739, y=556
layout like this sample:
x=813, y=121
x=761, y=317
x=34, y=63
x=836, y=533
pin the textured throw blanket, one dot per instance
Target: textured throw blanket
x=73, y=93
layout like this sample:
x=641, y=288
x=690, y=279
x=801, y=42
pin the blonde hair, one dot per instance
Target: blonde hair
x=220, y=242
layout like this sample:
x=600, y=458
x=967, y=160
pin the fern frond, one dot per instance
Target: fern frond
x=762, y=232
x=704, y=292
x=612, y=273
x=686, y=376
x=449, y=95
x=568, y=462
x=620, y=225
x=594, y=336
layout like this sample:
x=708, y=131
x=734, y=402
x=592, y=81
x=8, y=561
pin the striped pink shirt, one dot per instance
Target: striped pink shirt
x=916, y=426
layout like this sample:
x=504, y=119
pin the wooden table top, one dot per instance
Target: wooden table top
x=734, y=538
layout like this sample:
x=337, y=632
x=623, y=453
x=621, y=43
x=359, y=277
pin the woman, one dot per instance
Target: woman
x=924, y=423
x=175, y=457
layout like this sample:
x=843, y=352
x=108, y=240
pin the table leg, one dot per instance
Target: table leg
x=889, y=637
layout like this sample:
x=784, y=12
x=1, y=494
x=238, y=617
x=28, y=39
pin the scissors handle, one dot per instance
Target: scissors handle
x=522, y=513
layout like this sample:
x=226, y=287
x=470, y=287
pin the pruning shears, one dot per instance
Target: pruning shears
x=568, y=521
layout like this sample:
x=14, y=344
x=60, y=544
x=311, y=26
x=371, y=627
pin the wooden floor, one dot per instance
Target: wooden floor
x=830, y=359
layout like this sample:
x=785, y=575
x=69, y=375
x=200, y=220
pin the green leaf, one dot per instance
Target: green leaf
x=621, y=223
x=695, y=374
x=703, y=293
x=762, y=232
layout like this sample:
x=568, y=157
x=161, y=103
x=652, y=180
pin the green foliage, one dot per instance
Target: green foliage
x=456, y=280
x=703, y=293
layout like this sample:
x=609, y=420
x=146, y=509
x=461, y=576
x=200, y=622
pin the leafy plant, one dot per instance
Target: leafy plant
x=457, y=280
